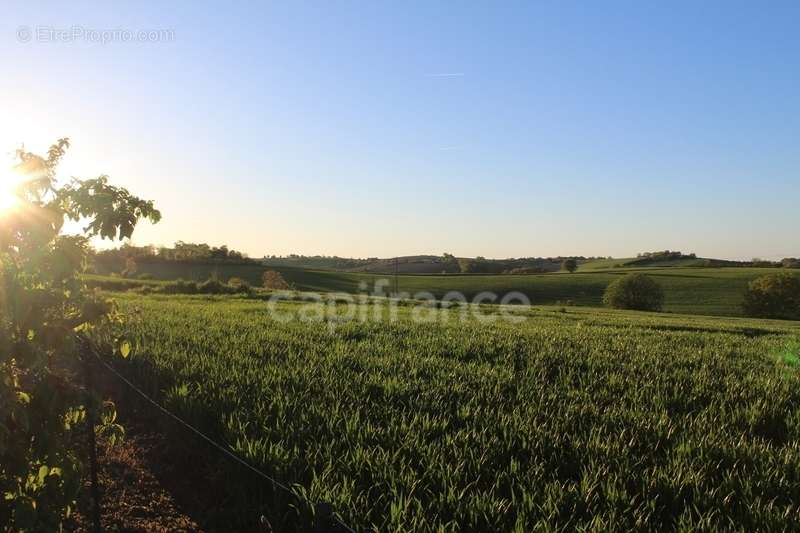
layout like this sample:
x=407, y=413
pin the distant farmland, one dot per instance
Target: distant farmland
x=689, y=290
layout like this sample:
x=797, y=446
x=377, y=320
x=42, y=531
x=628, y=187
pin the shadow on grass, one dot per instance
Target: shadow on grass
x=217, y=492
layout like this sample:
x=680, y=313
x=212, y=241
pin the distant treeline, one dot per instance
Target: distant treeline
x=521, y=265
x=647, y=258
x=431, y=264
x=182, y=252
x=665, y=255
x=324, y=262
x=125, y=259
x=787, y=262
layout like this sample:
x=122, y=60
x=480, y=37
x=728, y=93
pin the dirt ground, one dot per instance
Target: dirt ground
x=149, y=483
x=132, y=496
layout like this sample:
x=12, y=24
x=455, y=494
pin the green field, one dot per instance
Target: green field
x=577, y=419
x=689, y=290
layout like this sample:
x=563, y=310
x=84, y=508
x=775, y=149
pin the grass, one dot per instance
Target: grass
x=583, y=419
x=603, y=264
x=688, y=290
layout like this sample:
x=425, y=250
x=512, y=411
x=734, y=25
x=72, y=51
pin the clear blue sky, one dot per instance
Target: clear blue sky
x=378, y=128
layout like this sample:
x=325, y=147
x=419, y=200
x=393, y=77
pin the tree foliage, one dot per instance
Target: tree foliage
x=570, y=265
x=634, y=291
x=773, y=296
x=790, y=262
x=181, y=252
x=45, y=313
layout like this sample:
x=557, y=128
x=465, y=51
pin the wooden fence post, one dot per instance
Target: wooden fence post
x=91, y=422
x=323, y=518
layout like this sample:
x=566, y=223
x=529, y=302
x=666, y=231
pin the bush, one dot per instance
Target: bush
x=570, y=265
x=114, y=284
x=212, y=286
x=274, y=280
x=773, y=296
x=239, y=285
x=146, y=276
x=48, y=319
x=790, y=262
x=634, y=291
x=130, y=268
x=179, y=287
x=144, y=289
x=526, y=270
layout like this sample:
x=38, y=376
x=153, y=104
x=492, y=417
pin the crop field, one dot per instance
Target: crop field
x=688, y=290
x=561, y=420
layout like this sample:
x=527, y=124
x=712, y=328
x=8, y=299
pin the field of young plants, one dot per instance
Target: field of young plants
x=690, y=290
x=566, y=419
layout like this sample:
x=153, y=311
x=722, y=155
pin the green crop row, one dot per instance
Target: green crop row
x=593, y=420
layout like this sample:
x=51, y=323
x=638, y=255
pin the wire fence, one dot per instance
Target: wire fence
x=325, y=519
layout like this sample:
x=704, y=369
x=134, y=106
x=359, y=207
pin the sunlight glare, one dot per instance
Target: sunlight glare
x=8, y=197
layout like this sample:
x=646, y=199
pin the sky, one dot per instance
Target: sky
x=501, y=129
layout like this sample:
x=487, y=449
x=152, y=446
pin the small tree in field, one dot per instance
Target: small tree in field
x=634, y=291
x=570, y=265
x=274, y=280
x=46, y=315
x=773, y=296
x=130, y=268
x=790, y=262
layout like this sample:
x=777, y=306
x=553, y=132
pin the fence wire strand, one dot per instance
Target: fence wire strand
x=212, y=442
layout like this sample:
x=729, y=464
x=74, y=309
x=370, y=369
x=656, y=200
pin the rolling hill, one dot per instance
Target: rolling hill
x=690, y=290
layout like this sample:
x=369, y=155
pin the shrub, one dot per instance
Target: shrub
x=274, y=280
x=239, y=285
x=146, y=276
x=180, y=287
x=526, y=270
x=570, y=265
x=114, y=284
x=46, y=315
x=212, y=286
x=130, y=268
x=790, y=262
x=773, y=296
x=634, y=291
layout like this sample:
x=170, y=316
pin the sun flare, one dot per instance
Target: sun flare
x=8, y=196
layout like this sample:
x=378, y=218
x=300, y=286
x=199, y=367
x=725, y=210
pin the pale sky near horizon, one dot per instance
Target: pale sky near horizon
x=502, y=129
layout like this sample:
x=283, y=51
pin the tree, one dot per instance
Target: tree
x=274, y=280
x=466, y=266
x=758, y=262
x=130, y=267
x=790, y=262
x=46, y=314
x=634, y=291
x=773, y=296
x=450, y=263
x=570, y=265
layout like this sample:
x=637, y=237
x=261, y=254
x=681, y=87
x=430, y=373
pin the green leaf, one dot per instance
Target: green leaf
x=43, y=471
x=125, y=349
x=24, y=397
